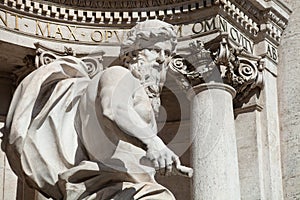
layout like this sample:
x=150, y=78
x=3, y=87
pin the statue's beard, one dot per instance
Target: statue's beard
x=154, y=97
x=151, y=78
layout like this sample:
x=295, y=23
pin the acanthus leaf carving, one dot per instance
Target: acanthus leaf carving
x=236, y=67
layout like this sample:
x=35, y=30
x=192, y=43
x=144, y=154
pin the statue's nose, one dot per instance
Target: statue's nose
x=161, y=57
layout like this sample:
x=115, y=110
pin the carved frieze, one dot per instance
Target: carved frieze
x=114, y=4
x=245, y=15
x=246, y=22
x=107, y=12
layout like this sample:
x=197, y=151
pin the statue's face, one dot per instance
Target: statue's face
x=150, y=64
x=159, y=52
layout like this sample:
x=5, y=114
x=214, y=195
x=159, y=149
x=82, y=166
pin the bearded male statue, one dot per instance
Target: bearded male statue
x=71, y=136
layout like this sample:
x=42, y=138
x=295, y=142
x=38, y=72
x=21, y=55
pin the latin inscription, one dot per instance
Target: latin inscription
x=59, y=31
x=272, y=52
x=56, y=31
x=218, y=23
x=236, y=35
x=204, y=26
x=51, y=30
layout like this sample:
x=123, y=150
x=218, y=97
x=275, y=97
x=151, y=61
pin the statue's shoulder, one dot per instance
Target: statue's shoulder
x=116, y=69
x=118, y=77
x=115, y=73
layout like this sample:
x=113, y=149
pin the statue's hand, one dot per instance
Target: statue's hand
x=161, y=156
x=164, y=160
x=182, y=170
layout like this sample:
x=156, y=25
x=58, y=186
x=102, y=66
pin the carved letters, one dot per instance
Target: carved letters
x=75, y=33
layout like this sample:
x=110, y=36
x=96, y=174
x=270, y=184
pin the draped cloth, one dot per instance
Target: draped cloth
x=54, y=140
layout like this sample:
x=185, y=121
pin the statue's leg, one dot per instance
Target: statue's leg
x=88, y=181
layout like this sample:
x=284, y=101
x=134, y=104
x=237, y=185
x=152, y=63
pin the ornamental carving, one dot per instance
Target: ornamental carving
x=115, y=4
x=46, y=55
x=220, y=61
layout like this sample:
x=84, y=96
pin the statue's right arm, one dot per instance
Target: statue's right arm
x=118, y=104
x=116, y=97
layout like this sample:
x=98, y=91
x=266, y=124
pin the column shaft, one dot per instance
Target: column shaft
x=215, y=159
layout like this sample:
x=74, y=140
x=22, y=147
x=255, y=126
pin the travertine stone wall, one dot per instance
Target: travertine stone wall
x=289, y=103
x=247, y=130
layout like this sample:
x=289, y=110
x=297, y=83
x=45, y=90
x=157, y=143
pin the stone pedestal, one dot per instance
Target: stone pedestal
x=215, y=159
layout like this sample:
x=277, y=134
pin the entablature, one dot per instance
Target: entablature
x=121, y=13
x=254, y=25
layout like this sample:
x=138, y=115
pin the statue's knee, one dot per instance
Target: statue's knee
x=157, y=192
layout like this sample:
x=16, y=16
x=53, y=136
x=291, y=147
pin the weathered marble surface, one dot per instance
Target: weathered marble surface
x=214, y=148
x=289, y=104
x=74, y=135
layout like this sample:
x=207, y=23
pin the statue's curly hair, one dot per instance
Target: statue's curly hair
x=146, y=33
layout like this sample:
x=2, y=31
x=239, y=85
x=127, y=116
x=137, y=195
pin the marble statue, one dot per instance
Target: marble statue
x=73, y=135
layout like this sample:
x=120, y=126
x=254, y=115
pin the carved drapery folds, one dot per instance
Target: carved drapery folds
x=219, y=60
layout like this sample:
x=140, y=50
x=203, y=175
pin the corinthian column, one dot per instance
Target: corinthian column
x=222, y=75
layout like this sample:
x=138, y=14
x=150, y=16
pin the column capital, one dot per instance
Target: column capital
x=219, y=61
x=46, y=55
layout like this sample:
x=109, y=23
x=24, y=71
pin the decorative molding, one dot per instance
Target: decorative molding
x=192, y=69
x=107, y=14
x=240, y=17
x=247, y=7
x=253, y=19
x=277, y=19
x=241, y=70
x=117, y=4
x=274, y=26
x=247, y=109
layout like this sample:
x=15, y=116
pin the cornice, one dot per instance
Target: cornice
x=267, y=17
x=257, y=17
x=249, y=8
x=240, y=17
x=117, y=5
x=107, y=16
